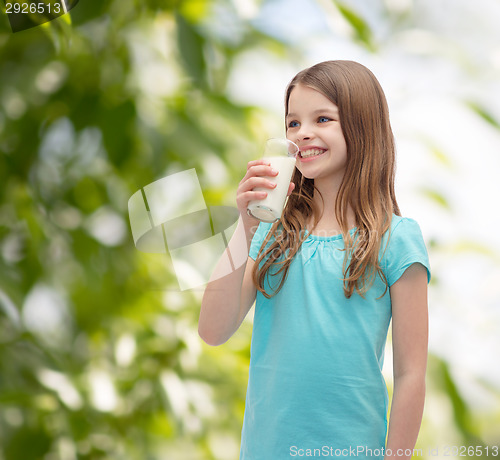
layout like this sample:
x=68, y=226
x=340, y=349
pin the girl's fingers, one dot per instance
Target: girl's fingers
x=256, y=195
x=260, y=170
x=257, y=175
x=290, y=188
x=257, y=162
x=245, y=198
x=254, y=182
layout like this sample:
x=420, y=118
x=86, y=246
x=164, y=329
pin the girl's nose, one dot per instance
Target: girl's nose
x=304, y=134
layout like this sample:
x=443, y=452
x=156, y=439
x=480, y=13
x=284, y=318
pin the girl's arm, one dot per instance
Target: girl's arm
x=409, y=342
x=227, y=299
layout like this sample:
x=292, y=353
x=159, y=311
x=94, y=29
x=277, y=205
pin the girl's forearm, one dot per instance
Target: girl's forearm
x=220, y=313
x=406, y=416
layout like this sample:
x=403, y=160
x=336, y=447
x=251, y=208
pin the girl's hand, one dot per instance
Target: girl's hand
x=257, y=170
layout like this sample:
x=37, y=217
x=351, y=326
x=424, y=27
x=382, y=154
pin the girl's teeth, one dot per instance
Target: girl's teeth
x=311, y=152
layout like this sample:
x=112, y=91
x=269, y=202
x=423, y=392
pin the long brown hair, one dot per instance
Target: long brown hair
x=367, y=186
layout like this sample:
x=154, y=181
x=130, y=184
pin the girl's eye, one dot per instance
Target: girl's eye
x=323, y=119
x=293, y=124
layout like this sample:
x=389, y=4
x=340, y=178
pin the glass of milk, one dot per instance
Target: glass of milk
x=281, y=154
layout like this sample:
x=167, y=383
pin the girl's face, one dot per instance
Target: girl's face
x=313, y=124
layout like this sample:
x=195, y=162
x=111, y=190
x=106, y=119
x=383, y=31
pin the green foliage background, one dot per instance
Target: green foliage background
x=99, y=353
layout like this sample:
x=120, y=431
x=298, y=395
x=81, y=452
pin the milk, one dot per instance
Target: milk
x=270, y=208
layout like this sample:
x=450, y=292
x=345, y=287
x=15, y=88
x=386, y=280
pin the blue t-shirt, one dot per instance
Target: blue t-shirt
x=315, y=378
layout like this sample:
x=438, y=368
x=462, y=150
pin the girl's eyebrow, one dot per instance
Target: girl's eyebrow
x=325, y=110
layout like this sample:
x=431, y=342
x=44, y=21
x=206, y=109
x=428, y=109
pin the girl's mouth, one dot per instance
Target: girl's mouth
x=311, y=153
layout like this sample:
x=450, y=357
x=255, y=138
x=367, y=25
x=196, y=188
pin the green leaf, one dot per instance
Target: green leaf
x=194, y=10
x=362, y=30
x=441, y=156
x=461, y=410
x=32, y=441
x=190, y=44
x=484, y=114
x=436, y=197
x=473, y=246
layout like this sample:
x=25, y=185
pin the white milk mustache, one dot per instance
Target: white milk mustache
x=270, y=208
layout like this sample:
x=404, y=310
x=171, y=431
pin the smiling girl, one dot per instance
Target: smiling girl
x=326, y=280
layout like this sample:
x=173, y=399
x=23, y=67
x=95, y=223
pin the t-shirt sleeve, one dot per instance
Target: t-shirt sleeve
x=258, y=238
x=406, y=247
